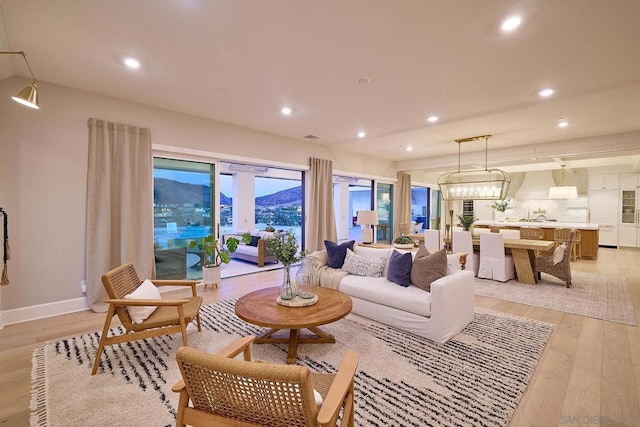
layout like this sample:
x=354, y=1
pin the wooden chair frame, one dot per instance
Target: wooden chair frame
x=204, y=373
x=171, y=316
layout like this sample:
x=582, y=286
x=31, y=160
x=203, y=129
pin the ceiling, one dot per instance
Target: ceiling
x=240, y=61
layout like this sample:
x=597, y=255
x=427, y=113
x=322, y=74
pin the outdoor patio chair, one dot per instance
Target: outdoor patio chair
x=228, y=392
x=170, y=316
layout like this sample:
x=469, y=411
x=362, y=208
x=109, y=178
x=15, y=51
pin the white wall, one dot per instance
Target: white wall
x=43, y=170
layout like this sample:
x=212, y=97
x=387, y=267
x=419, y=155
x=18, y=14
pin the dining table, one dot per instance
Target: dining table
x=524, y=255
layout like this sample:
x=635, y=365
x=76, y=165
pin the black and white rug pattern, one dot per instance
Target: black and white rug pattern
x=475, y=379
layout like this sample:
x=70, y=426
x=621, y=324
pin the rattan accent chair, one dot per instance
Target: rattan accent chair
x=561, y=270
x=224, y=391
x=171, y=316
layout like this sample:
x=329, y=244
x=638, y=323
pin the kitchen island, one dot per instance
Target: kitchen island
x=588, y=232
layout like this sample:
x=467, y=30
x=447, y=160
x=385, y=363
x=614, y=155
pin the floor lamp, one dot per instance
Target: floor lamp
x=366, y=219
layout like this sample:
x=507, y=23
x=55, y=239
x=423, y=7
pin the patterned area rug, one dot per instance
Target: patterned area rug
x=591, y=295
x=475, y=379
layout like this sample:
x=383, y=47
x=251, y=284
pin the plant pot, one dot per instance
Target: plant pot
x=211, y=276
x=403, y=245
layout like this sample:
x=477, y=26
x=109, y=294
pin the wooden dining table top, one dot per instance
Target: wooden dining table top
x=529, y=244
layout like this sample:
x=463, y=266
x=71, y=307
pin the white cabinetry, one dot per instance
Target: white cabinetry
x=603, y=210
x=629, y=180
x=604, y=182
x=629, y=223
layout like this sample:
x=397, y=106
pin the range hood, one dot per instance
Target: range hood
x=535, y=186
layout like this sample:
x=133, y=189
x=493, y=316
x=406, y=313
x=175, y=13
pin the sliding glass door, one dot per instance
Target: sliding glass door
x=183, y=199
x=384, y=198
x=420, y=208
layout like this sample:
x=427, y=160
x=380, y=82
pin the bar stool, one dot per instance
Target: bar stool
x=531, y=233
x=561, y=235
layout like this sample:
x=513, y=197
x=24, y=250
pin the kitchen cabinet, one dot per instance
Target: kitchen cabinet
x=603, y=210
x=604, y=182
x=629, y=180
x=629, y=225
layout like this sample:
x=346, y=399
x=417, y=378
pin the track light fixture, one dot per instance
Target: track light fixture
x=29, y=95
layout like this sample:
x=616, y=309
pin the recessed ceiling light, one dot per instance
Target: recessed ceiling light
x=362, y=134
x=363, y=80
x=511, y=23
x=562, y=123
x=545, y=93
x=131, y=62
x=286, y=111
x=433, y=119
x=409, y=148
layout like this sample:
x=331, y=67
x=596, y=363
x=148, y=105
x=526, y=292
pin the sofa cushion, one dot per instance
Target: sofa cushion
x=400, y=268
x=428, y=268
x=381, y=291
x=369, y=252
x=361, y=266
x=254, y=241
x=246, y=250
x=337, y=253
x=267, y=234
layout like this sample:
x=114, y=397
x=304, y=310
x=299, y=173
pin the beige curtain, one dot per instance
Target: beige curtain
x=403, y=203
x=321, y=223
x=119, y=204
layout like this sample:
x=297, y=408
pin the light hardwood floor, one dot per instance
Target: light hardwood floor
x=589, y=373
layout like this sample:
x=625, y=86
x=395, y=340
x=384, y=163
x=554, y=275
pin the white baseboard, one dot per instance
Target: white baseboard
x=41, y=311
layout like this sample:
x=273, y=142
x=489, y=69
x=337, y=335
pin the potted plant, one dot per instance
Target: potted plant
x=501, y=206
x=213, y=255
x=285, y=250
x=404, y=242
x=466, y=221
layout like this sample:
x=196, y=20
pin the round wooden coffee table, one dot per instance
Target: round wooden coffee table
x=260, y=308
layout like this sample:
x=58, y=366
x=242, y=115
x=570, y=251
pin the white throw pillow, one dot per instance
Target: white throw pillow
x=558, y=253
x=146, y=290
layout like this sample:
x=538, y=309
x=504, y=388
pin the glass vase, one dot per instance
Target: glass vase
x=307, y=277
x=286, y=291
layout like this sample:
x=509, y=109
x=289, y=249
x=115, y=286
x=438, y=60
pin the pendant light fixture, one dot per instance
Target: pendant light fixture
x=563, y=191
x=487, y=184
x=29, y=95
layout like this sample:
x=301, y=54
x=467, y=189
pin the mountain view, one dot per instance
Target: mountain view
x=170, y=192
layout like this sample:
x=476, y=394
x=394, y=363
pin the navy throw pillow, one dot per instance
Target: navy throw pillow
x=254, y=241
x=336, y=253
x=400, y=268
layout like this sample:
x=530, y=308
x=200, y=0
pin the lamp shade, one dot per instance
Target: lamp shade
x=367, y=218
x=28, y=96
x=563, y=192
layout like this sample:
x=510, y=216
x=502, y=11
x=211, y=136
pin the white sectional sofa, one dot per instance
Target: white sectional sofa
x=438, y=314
